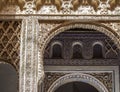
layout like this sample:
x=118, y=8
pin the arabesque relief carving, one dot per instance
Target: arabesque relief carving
x=35, y=34
x=40, y=3
x=4, y=3
x=114, y=26
x=78, y=6
x=64, y=7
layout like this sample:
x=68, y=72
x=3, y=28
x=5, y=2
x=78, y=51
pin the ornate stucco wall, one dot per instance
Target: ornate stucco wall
x=43, y=19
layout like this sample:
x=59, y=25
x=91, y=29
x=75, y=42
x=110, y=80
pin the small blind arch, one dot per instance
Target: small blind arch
x=77, y=50
x=97, y=50
x=56, y=50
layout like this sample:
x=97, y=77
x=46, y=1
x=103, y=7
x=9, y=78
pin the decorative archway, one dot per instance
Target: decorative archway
x=79, y=77
x=114, y=35
x=56, y=29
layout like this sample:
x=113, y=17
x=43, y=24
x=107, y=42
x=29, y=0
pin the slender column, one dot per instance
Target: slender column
x=29, y=55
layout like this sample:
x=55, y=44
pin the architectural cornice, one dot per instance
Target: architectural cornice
x=84, y=18
x=61, y=7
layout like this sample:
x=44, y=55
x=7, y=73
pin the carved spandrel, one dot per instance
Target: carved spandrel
x=44, y=31
x=114, y=26
x=105, y=78
x=4, y=3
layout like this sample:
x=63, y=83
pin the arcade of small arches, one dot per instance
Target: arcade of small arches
x=98, y=48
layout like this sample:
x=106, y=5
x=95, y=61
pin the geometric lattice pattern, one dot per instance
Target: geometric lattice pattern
x=10, y=41
x=111, y=50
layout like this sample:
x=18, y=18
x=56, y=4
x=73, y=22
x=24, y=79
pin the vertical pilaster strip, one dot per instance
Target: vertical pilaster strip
x=29, y=55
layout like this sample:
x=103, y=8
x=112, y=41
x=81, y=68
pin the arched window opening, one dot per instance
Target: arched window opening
x=8, y=78
x=76, y=87
x=57, y=51
x=77, y=51
x=97, y=51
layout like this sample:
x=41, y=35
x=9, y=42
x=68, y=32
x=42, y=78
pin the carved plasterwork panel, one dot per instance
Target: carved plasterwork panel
x=44, y=31
x=105, y=78
x=114, y=26
x=53, y=80
x=10, y=9
x=47, y=36
x=79, y=7
x=10, y=41
x=111, y=49
x=61, y=7
x=6, y=3
x=35, y=37
x=50, y=78
x=31, y=67
x=29, y=8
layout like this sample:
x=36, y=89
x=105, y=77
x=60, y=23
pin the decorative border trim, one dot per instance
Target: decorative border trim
x=63, y=17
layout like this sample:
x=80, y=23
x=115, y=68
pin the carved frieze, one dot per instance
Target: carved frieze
x=81, y=7
x=40, y=3
x=61, y=7
x=4, y=3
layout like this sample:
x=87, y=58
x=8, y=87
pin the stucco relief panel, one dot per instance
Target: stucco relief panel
x=49, y=30
x=61, y=7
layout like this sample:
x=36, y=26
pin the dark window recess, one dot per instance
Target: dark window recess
x=8, y=78
x=57, y=51
x=97, y=51
x=77, y=52
x=76, y=87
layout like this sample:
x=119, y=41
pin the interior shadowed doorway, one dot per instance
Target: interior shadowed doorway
x=76, y=87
